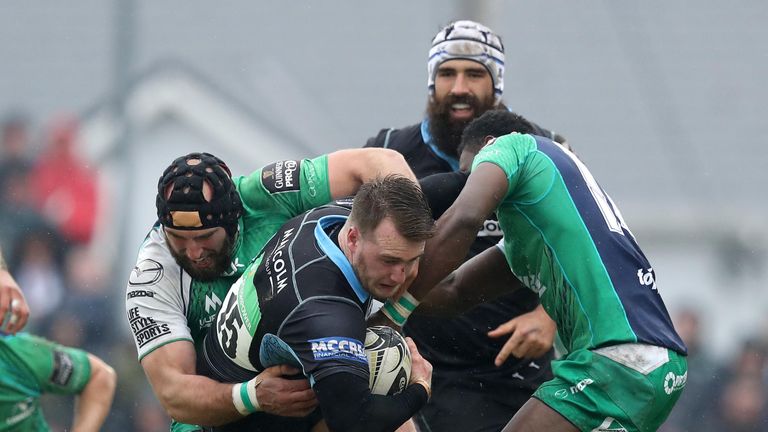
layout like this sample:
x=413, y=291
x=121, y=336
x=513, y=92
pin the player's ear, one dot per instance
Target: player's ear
x=487, y=139
x=353, y=238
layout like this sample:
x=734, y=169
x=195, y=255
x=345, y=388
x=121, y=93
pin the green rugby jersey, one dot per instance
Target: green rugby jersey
x=164, y=304
x=29, y=367
x=565, y=239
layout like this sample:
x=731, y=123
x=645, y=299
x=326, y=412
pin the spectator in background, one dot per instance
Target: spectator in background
x=88, y=298
x=64, y=188
x=38, y=272
x=17, y=214
x=742, y=407
x=14, y=144
x=741, y=393
x=699, y=398
x=751, y=361
x=18, y=217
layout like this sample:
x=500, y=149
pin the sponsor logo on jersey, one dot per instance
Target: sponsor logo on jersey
x=338, y=348
x=647, y=278
x=491, y=228
x=311, y=179
x=281, y=176
x=579, y=387
x=206, y=322
x=147, y=272
x=276, y=266
x=145, y=329
x=234, y=267
x=140, y=293
x=673, y=383
x=212, y=303
x=63, y=366
x=610, y=424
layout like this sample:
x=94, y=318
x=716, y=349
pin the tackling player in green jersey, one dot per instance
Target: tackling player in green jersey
x=624, y=365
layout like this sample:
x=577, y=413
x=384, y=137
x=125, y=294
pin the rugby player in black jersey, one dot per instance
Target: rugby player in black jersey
x=304, y=301
x=477, y=387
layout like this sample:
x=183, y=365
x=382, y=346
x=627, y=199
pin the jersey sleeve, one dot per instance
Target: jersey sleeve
x=328, y=334
x=509, y=153
x=56, y=368
x=380, y=140
x=342, y=394
x=155, y=297
x=294, y=185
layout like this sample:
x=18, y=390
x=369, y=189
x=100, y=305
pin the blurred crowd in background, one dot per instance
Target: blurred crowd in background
x=48, y=208
x=49, y=200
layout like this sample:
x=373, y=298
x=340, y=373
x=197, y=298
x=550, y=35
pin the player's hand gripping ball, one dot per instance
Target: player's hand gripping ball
x=389, y=360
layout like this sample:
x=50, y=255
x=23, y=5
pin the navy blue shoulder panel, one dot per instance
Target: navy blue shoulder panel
x=629, y=270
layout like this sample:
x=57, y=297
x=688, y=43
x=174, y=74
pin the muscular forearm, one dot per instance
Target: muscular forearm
x=443, y=300
x=348, y=169
x=445, y=252
x=186, y=396
x=484, y=277
x=95, y=400
x=458, y=227
x=382, y=162
x=198, y=400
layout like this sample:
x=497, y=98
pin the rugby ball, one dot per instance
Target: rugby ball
x=389, y=360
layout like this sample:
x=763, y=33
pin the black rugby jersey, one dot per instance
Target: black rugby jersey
x=460, y=346
x=300, y=303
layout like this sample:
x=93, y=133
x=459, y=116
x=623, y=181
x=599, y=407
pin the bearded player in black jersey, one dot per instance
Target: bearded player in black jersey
x=476, y=386
x=304, y=301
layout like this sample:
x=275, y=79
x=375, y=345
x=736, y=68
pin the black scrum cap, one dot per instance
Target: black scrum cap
x=181, y=194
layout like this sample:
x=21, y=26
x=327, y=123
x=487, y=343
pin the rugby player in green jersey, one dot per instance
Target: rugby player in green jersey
x=209, y=228
x=624, y=365
x=31, y=366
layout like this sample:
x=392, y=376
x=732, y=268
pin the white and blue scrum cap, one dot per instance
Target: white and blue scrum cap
x=468, y=40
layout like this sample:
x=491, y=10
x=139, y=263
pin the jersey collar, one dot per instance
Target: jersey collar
x=336, y=255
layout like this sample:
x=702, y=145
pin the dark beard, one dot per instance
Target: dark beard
x=446, y=134
x=221, y=262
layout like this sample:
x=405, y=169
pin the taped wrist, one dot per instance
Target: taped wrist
x=244, y=397
x=399, y=311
